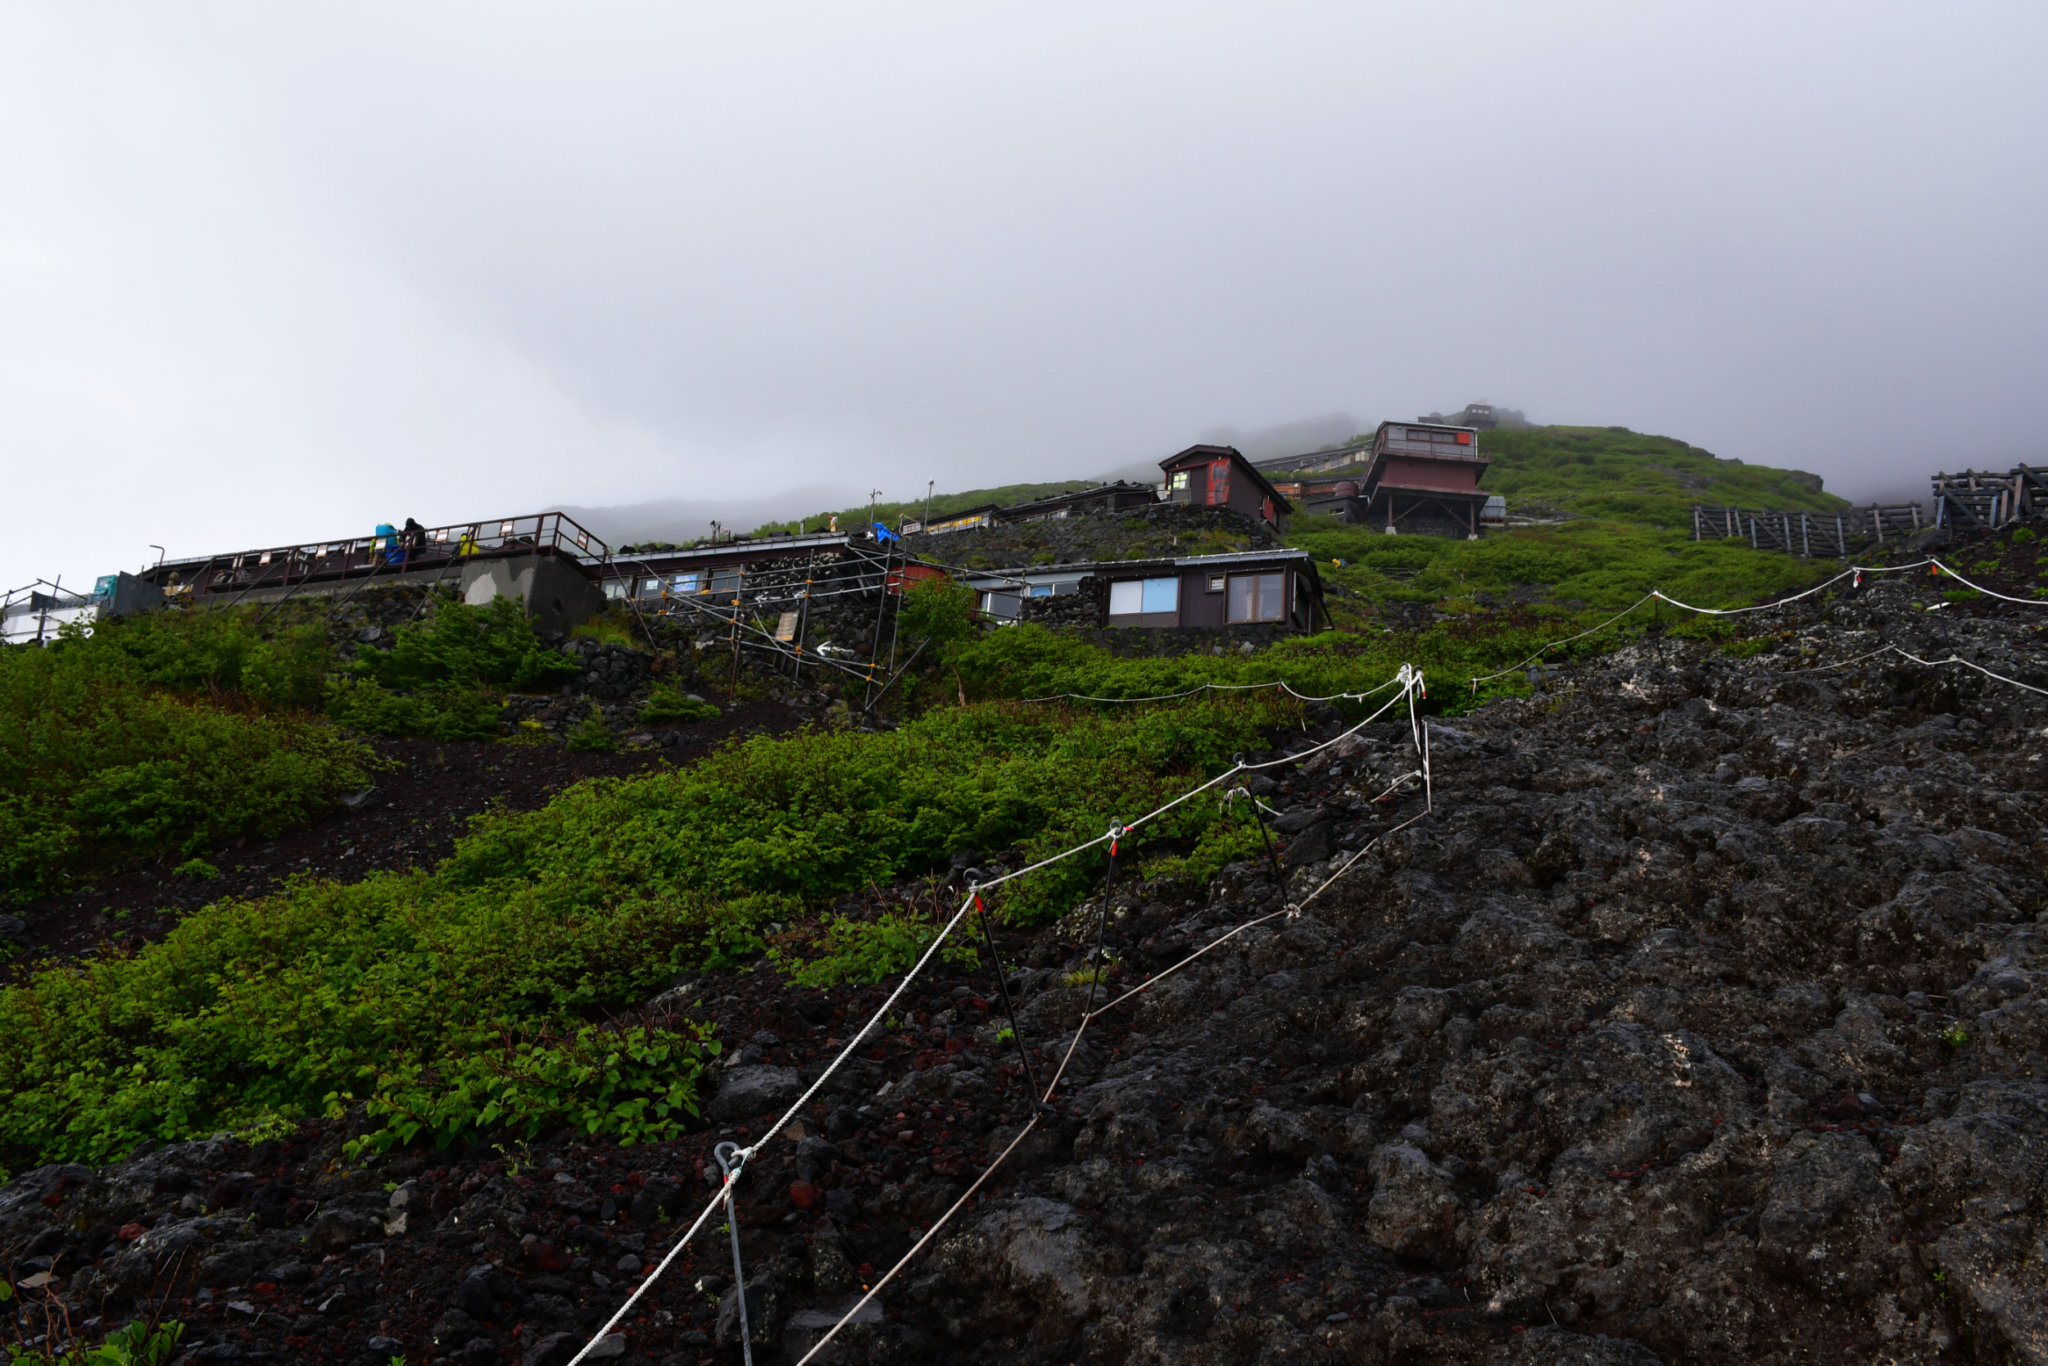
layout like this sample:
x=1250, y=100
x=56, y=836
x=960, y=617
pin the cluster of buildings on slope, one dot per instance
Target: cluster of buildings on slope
x=1409, y=477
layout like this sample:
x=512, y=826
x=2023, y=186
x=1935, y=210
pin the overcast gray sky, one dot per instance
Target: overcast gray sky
x=274, y=272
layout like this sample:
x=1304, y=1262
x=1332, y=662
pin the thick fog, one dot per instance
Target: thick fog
x=276, y=272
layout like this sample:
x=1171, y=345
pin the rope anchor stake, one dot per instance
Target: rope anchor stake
x=732, y=1160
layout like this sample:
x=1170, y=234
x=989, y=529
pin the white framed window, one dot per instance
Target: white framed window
x=1138, y=597
x=1180, y=479
x=684, y=583
x=1257, y=597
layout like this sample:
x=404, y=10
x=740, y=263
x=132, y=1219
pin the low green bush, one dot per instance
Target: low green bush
x=670, y=705
x=100, y=759
x=635, y=1085
x=591, y=735
x=443, y=675
x=437, y=712
x=466, y=646
x=255, y=1014
x=866, y=951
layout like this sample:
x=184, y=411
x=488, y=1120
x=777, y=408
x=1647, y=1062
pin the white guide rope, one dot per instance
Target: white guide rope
x=1411, y=684
x=1854, y=571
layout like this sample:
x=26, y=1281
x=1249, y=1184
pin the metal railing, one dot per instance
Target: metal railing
x=33, y=610
x=397, y=552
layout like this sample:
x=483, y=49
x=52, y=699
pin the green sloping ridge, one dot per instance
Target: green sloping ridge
x=1604, y=472
x=1620, y=475
x=891, y=514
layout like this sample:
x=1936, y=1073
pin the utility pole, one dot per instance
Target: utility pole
x=873, y=494
x=928, y=500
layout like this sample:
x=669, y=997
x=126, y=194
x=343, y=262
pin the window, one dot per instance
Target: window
x=1256, y=597
x=650, y=588
x=1180, y=479
x=1135, y=597
x=683, y=583
x=1003, y=606
x=726, y=580
x=1040, y=590
x=615, y=588
x=1215, y=583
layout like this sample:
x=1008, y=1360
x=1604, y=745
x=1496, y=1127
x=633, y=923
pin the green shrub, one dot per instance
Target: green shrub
x=636, y=1085
x=667, y=705
x=100, y=761
x=938, y=609
x=466, y=646
x=591, y=734
x=435, y=712
x=440, y=677
x=613, y=628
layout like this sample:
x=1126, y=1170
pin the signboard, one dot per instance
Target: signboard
x=786, y=628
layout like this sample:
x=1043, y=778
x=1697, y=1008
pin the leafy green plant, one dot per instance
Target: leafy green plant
x=635, y=1085
x=1955, y=1036
x=197, y=869
x=141, y=1343
x=868, y=950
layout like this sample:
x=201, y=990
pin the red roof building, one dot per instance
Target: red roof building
x=1218, y=476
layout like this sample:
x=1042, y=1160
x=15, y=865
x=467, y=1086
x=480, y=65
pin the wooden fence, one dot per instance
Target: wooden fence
x=1986, y=500
x=1807, y=533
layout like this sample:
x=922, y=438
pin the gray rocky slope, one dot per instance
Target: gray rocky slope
x=1705, y=1020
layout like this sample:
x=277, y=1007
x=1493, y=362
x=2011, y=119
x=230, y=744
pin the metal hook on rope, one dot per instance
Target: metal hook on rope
x=724, y=1152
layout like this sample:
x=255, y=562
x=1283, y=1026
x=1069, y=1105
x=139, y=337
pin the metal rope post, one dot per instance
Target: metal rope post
x=996, y=961
x=1116, y=832
x=723, y=1152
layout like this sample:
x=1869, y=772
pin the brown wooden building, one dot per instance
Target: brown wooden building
x=1425, y=477
x=1218, y=476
